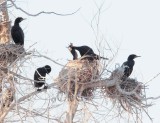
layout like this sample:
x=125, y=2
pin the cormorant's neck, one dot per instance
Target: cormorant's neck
x=73, y=52
x=16, y=23
x=130, y=59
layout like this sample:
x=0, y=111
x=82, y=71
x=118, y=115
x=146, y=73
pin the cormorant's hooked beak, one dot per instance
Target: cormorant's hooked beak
x=23, y=19
x=137, y=56
x=69, y=47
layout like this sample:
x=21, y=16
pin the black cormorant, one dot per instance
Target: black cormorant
x=87, y=52
x=39, y=76
x=73, y=52
x=128, y=66
x=17, y=32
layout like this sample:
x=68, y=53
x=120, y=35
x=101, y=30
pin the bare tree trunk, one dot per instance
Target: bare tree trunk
x=4, y=23
x=4, y=39
x=72, y=108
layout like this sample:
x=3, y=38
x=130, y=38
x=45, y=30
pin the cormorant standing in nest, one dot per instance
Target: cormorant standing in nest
x=86, y=52
x=17, y=32
x=39, y=76
x=128, y=66
x=73, y=52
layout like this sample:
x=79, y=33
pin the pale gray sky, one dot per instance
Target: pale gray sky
x=133, y=26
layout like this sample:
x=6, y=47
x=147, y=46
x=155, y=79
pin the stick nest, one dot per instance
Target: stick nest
x=129, y=93
x=75, y=75
x=10, y=52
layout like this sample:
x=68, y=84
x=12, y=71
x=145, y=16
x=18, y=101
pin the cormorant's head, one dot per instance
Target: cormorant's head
x=47, y=68
x=132, y=56
x=70, y=47
x=73, y=51
x=19, y=19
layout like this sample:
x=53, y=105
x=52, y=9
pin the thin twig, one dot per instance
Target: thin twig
x=153, y=78
x=42, y=12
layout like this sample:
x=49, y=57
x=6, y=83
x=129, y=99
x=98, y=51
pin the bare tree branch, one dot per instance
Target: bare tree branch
x=48, y=59
x=42, y=12
x=22, y=99
x=153, y=78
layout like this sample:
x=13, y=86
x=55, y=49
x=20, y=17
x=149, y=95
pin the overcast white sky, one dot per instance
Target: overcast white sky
x=133, y=26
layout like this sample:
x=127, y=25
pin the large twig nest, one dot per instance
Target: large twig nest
x=128, y=93
x=10, y=52
x=75, y=75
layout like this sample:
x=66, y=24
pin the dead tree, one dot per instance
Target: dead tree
x=78, y=81
x=4, y=23
x=9, y=54
x=6, y=93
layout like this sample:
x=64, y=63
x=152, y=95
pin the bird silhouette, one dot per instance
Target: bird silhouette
x=40, y=75
x=86, y=52
x=17, y=32
x=128, y=66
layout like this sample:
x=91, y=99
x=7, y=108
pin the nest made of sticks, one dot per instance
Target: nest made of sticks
x=10, y=52
x=75, y=75
x=128, y=93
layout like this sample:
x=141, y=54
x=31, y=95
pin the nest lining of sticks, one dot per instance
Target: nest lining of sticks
x=75, y=75
x=10, y=52
x=80, y=73
x=129, y=93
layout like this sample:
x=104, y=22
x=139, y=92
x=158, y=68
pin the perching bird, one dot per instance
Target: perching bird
x=17, y=32
x=86, y=52
x=39, y=76
x=128, y=66
x=73, y=52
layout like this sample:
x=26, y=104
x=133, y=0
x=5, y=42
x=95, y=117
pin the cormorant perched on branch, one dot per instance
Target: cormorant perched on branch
x=86, y=52
x=128, y=66
x=73, y=52
x=17, y=32
x=40, y=76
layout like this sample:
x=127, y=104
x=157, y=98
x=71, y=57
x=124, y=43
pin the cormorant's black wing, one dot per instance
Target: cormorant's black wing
x=38, y=76
x=84, y=50
x=127, y=69
x=88, y=50
x=17, y=35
